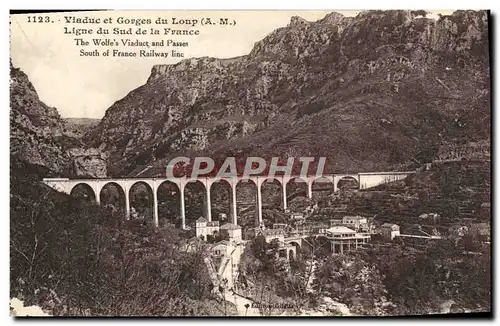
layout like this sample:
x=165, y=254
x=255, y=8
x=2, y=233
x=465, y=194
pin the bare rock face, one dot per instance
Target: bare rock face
x=381, y=89
x=89, y=162
x=77, y=127
x=39, y=136
x=34, y=126
x=298, y=21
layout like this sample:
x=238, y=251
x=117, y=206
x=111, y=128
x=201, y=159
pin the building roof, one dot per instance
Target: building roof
x=222, y=242
x=230, y=226
x=355, y=217
x=340, y=229
x=201, y=219
x=388, y=225
x=272, y=231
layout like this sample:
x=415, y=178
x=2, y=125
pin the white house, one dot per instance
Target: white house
x=390, y=231
x=204, y=227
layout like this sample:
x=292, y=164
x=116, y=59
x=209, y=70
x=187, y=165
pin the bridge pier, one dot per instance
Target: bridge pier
x=208, y=205
x=309, y=189
x=127, y=203
x=183, y=209
x=283, y=186
x=234, y=211
x=97, y=197
x=259, y=205
x=155, y=204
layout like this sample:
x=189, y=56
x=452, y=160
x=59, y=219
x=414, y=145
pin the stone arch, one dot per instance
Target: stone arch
x=251, y=181
x=195, y=200
x=322, y=186
x=271, y=179
x=292, y=254
x=168, y=195
x=221, y=200
x=112, y=195
x=272, y=193
x=298, y=247
x=347, y=182
x=296, y=193
x=296, y=179
x=83, y=191
x=296, y=244
x=141, y=201
x=246, y=202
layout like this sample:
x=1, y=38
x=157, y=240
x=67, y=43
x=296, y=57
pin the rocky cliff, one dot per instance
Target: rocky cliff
x=79, y=126
x=377, y=91
x=40, y=137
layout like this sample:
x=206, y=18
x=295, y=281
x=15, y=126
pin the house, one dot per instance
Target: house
x=231, y=232
x=272, y=234
x=205, y=228
x=221, y=248
x=430, y=217
x=297, y=217
x=389, y=231
x=458, y=230
x=285, y=250
x=335, y=222
x=355, y=222
x=342, y=239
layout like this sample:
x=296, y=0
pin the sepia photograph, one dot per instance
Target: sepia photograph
x=265, y=163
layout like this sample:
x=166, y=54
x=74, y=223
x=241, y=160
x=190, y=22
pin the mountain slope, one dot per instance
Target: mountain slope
x=79, y=126
x=377, y=91
x=39, y=136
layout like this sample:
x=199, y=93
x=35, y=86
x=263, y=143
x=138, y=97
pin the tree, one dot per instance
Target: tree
x=71, y=257
x=354, y=281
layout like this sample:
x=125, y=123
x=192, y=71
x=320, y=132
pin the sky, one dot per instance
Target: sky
x=83, y=86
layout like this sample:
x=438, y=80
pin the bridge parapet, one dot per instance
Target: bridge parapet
x=373, y=179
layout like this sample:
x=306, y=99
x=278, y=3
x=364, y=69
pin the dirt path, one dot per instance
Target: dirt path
x=240, y=303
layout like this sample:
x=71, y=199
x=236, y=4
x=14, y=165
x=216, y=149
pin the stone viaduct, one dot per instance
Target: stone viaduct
x=364, y=181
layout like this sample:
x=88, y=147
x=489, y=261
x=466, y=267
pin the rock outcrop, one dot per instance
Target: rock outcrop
x=89, y=162
x=39, y=136
x=79, y=126
x=377, y=91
